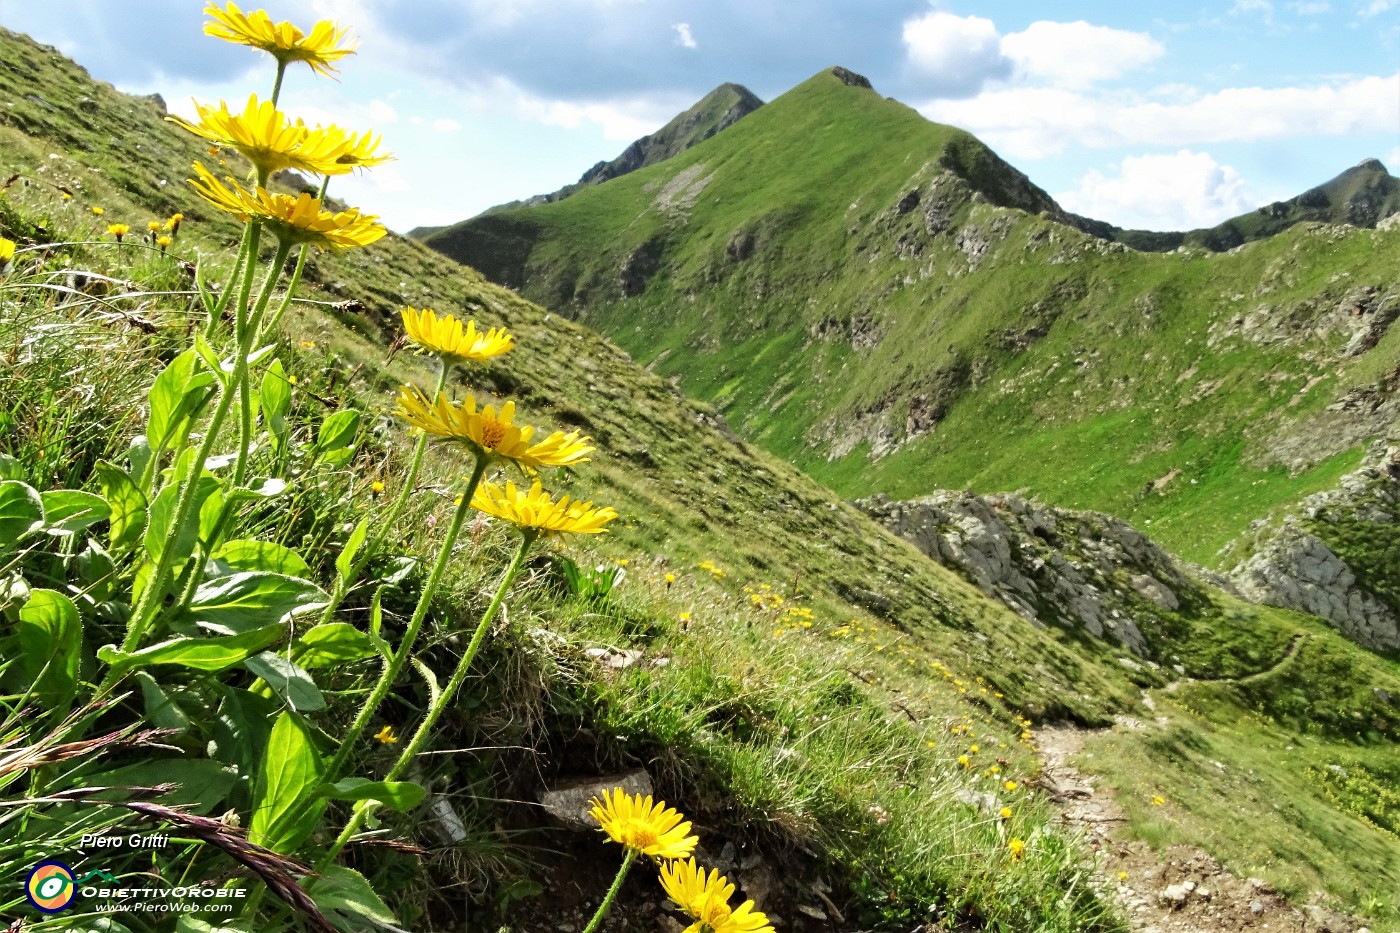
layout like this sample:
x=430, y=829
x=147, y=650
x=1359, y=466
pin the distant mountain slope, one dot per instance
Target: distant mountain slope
x=720, y=108
x=885, y=302
x=1362, y=196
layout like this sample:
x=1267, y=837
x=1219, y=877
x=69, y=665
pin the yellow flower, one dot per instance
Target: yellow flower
x=283, y=41
x=99, y=211
x=269, y=140
x=646, y=828
x=670, y=579
x=446, y=335
x=7, y=249
x=118, y=231
x=684, y=618
x=963, y=760
x=359, y=151
x=974, y=749
x=376, y=487
x=1010, y=786
x=536, y=511
x=705, y=897
x=491, y=432
x=386, y=736
x=1122, y=876
x=1158, y=800
x=1006, y=813
x=292, y=219
x=173, y=224
x=163, y=242
x=153, y=226
x=1017, y=847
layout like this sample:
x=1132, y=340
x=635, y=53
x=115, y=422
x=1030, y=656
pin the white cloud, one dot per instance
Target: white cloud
x=1310, y=7
x=684, y=36
x=954, y=55
x=1182, y=191
x=1077, y=54
x=446, y=125
x=1037, y=122
x=1264, y=7
x=1375, y=7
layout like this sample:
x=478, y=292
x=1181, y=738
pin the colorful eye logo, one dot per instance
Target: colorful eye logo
x=50, y=886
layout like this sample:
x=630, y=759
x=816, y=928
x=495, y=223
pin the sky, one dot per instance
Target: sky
x=1148, y=115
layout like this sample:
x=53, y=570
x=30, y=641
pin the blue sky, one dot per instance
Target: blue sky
x=1156, y=115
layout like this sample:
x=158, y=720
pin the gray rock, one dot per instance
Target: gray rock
x=569, y=801
x=1175, y=895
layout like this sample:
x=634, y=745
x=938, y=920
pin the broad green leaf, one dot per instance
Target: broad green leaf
x=204, y=654
x=287, y=803
x=211, y=359
x=50, y=639
x=338, y=431
x=178, y=393
x=127, y=504
x=332, y=643
x=345, y=563
x=159, y=533
x=10, y=468
x=138, y=456
x=161, y=711
x=201, y=784
x=240, y=730
x=401, y=795
x=21, y=512
x=288, y=681
x=96, y=571
x=349, y=901
x=246, y=600
x=276, y=395
x=69, y=511
x=265, y=556
x=210, y=511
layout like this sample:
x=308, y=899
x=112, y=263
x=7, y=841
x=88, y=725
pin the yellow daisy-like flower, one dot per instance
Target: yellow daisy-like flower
x=173, y=223
x=963, y=760
x=7, y=250
x=705, y=897
x=646, y=828
x=282, y=41
x=359, y=151
x=154, y=226
x=489, y=431
x=297, y=219
x=272, y=142
x=1006, y=813
x=118, y=231
x=448, y=336
x=1017, y=847
x=1010, y=786
x=536, y=511
x=163, y=242
x=99, y=211
x=386, y=736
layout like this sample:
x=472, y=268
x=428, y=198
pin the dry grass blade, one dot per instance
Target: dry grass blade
x=45, y=752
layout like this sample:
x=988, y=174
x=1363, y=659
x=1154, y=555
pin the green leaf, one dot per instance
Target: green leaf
x=288, y=681
x=176, y=396
x=10, y=468
x=162, y=515
x=246, y=600
x=127, y=505
x=338, y=431
x=97, y=573
x=348, y=900
x=189, y=923
x=69, y=511
x=264, y=556
x=401, y=795
x=201, y=784
x=211, y=358
x=287, y=803
x=203, y=654
x=240, y=730
x=161, y=711
x=332, y=643
x=21, y=513
x=138, y=456
x=345, y=563
x=50, y=639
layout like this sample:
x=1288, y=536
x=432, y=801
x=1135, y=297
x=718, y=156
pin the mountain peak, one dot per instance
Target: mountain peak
x=851, y=78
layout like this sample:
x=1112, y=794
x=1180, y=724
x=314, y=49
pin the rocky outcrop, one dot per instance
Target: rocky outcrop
x=1293, y=566
x=1077, y=569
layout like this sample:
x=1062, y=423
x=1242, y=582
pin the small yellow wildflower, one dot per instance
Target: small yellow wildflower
x=282, y=41
x=974, y=749
x=153, y=226
x=386, y=736
x=163, y=242
x=964, y=761
x=118, y=231
x=376, y=487
x=646, y=828
x=1010, y=786
x=7, y=250
x=1006, y=813
x=1122, y=876
x=670, y=579
x=173, y=223
x=1017, y=847
x=99, y=211
x=1158, y=800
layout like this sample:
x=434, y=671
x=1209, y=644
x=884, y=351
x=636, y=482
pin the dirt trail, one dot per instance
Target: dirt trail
x=1179, y=890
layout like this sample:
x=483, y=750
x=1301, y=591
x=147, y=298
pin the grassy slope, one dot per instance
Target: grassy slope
x=739, y=698
x=1122, y=389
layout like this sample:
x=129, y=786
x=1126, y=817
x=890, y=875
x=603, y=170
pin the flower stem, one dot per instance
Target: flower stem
x=612, y=891
x=240, y=366
x=400, y=657
x=277, y=82
x=385, y=525
x=424, y=730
